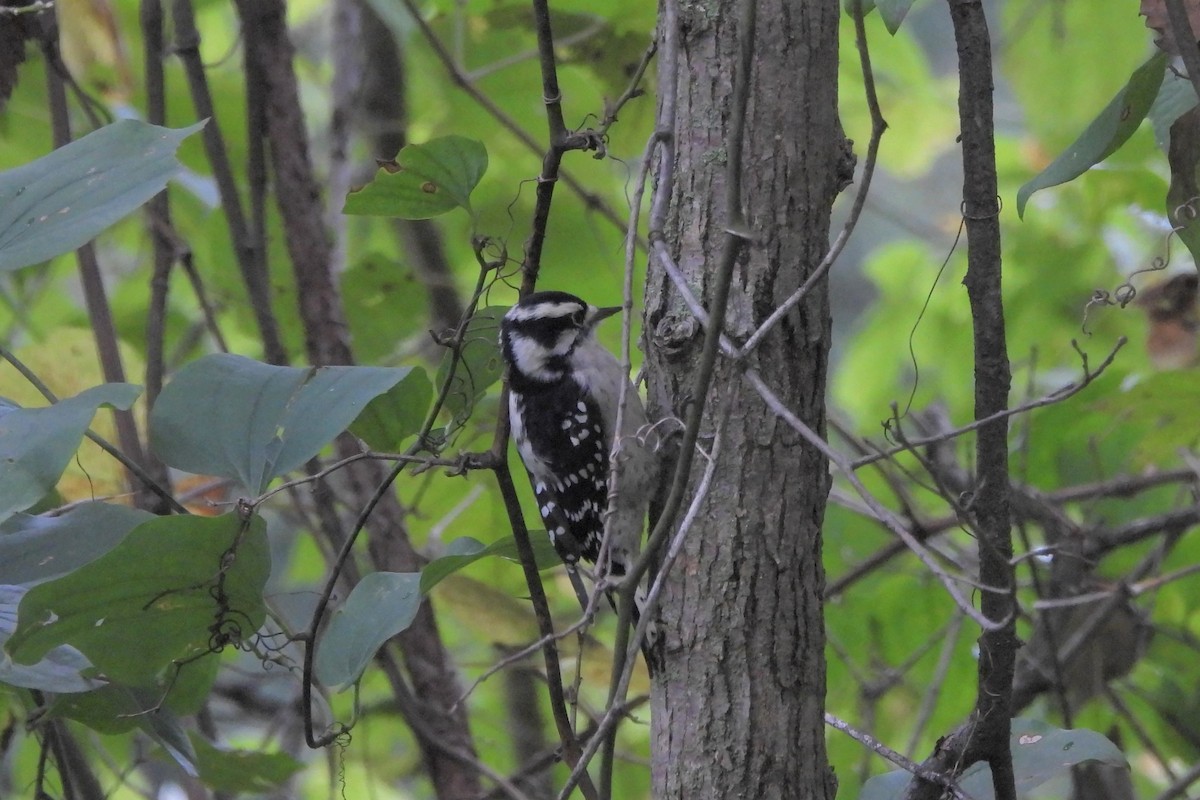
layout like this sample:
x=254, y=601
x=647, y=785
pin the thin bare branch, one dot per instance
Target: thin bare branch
x=884, y=514
x=1057, y=396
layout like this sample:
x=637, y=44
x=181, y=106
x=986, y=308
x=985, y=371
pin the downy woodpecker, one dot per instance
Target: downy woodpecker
x=564, y=388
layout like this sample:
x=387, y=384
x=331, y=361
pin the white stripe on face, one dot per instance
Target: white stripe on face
x=529, y=357
x=543, y=311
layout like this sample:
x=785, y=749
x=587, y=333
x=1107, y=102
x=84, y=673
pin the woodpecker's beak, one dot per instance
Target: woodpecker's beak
x=599, y=314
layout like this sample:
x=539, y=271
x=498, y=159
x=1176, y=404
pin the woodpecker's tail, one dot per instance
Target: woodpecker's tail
x=650, y=651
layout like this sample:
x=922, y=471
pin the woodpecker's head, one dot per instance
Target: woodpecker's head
x=539, y=335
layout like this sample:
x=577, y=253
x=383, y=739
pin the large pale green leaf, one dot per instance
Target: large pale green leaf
x=238, y=418
x=37, y=443
x=55, y=204
x=424, y=181
x=34, y=549
x=382, y=605
x=1040, y=752
x=60, y=671
x=152, y=600
x=1107, y=132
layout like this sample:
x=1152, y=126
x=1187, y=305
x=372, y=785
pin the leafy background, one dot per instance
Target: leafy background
x=901, y=336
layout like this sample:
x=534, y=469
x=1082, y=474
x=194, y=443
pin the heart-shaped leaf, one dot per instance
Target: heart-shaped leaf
x=424, y=181
x=167, y=593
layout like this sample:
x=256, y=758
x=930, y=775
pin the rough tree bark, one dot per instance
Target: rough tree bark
x=738, y=707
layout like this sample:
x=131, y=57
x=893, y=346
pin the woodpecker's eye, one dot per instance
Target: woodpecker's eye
x=578, y=318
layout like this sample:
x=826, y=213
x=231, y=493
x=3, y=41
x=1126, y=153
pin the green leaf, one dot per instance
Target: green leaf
x=241, y=771
x=36, y=444
x=1183, y=196
x=152, y=600
x=465, y=551
x=57, y=203
x=61, y=671
x=396, y=414
x=477, y=369
x=1039, y=751
x=1176, y=97
x=382, y=605
x=234, y=417
x=118, y=709
x=893, y=13
x=391, y=302
x=1164, y=401
x=424, y=181
x=34, y=549
x=1107, y=132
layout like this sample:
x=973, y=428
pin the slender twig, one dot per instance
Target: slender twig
x=1124, y=486
x=930, y=699
x=884, y=514
x=1057, y=396
x=598, y=25
x=891, y=755
x=347, y=546
x=986, y=734
x=1180, y=787
x=459, y=465
x=615, y=461
x=634, y=89
x=187, y=46
x=460, y=79
x=552, y=158
x=517, y=656
x=537, y=595
x=95, y=298
x=660, y=251
x=159, y=206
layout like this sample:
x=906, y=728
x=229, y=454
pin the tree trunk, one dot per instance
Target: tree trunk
x=738, y=707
